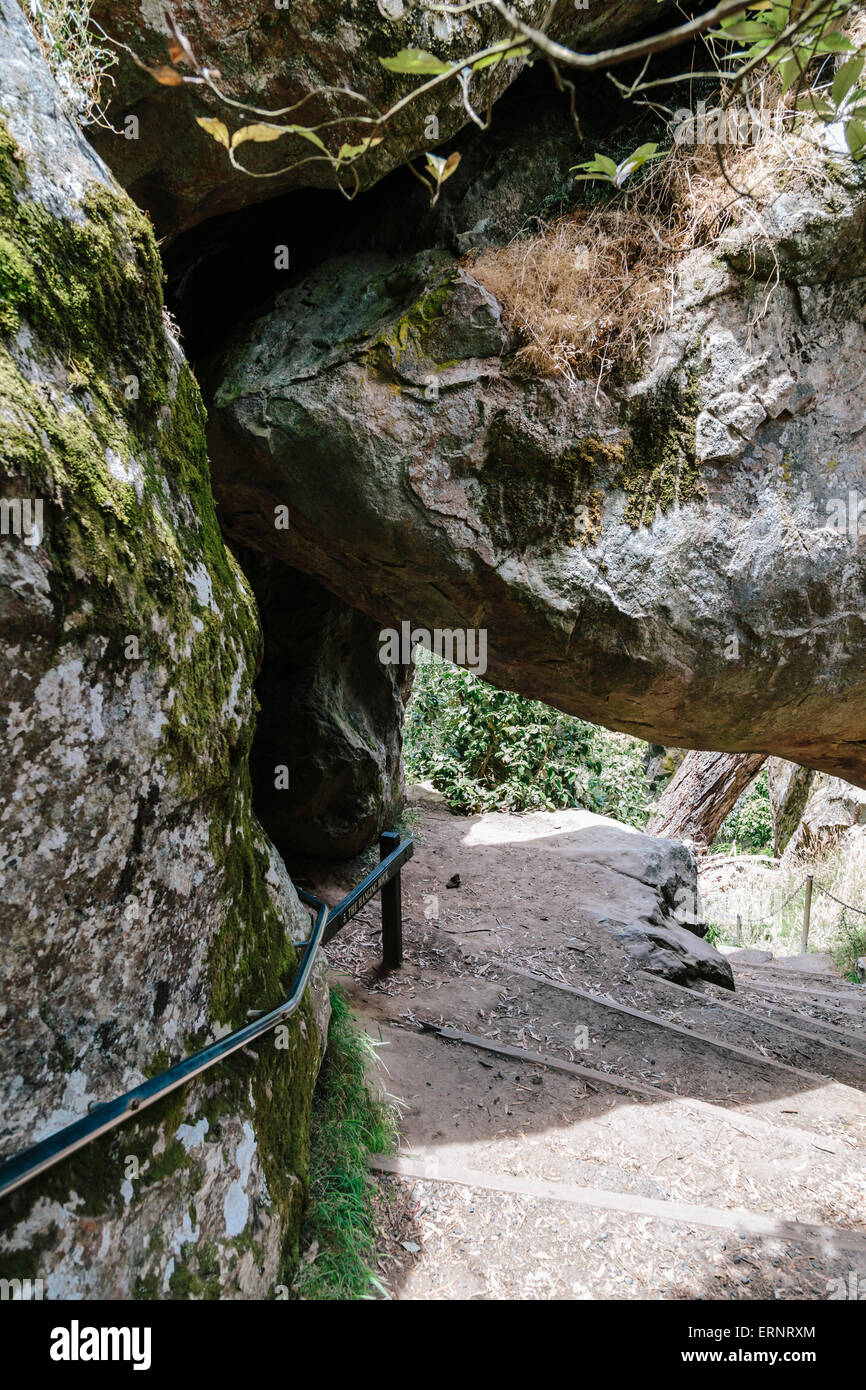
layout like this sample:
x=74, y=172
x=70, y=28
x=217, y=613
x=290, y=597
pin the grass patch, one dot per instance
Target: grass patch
x=348, y=1123
x=849, y=945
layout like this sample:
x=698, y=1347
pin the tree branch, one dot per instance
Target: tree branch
x=610, y=57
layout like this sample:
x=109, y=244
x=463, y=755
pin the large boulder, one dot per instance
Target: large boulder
x=656, y=557
x=634, y=893
x=144, y=909
x=275, y=56
x=326, y=762
x=833, y=809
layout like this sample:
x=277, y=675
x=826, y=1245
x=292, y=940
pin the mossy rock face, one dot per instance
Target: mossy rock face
x=145, y=908
x=532, y=501
x=660, y=469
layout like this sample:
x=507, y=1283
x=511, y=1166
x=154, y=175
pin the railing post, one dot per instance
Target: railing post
x=392, y=910
x=807, y=915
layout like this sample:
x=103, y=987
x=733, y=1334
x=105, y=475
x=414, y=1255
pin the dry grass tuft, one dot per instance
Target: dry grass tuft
x=79, y=61
x=586, y=293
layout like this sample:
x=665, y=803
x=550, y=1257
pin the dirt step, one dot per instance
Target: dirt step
x=731, y=1220
x=540, y=1012
x=850, y=997
x=850, y=1017
x=481, y=1243
x=829, y=1116
x=470, y=1109
x=786, y=1042
x=814, y=1016
x=491, y=1104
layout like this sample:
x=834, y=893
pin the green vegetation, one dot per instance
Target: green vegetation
x=347, y=1124
x=492, y=750
x=849, y=944
x=749, y=827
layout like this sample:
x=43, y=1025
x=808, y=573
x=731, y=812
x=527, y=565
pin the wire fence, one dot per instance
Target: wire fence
x=850, y=906
x=773, y=910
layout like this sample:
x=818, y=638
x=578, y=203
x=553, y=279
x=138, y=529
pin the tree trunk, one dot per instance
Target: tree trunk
x=706, y=787
x=790, y=788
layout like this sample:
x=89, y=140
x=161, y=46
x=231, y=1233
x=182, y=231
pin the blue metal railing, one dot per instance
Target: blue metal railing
x=102, y=1118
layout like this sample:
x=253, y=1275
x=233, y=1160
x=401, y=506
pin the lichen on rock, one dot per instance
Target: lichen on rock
x=146, y=910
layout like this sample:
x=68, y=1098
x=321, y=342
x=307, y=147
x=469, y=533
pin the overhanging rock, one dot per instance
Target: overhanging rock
x=665, y=560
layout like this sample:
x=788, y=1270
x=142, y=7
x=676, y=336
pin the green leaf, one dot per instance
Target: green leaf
x=416, y=60
x=833, y=43
x=790, y=72
x=307, y=134
x=808, y=103
x=855, y=136
x=642, y=154
x=348, y=152
x=593, y=173
x=747, y=31
x=522, y=52
x=846, y=78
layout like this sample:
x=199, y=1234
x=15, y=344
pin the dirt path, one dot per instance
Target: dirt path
x=606, y=1134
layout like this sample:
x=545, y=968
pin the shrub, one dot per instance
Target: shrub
x=492, y=750
x=750, y=825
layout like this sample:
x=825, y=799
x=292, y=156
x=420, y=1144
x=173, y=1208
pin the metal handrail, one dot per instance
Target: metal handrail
x=106, y=1116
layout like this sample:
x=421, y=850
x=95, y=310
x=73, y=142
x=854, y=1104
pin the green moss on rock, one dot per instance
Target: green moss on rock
x=531, y=500
x=102, y=419
x=410, y=335
x=198, y=1276
x=91, y=288
x=660, y=468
